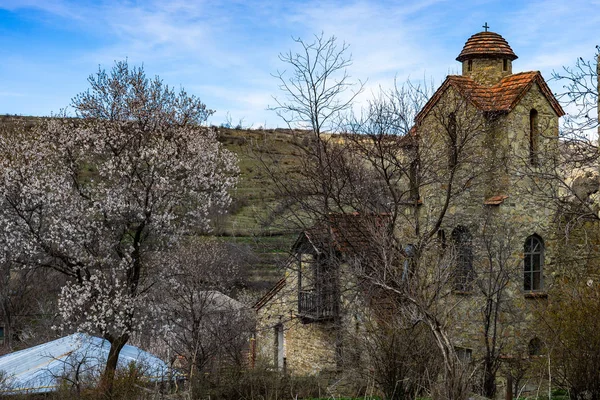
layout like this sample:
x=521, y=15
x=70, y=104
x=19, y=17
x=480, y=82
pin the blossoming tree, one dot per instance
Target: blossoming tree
x=95, y=197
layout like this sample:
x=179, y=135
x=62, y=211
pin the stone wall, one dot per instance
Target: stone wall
x=309, y=347
x=487, y=72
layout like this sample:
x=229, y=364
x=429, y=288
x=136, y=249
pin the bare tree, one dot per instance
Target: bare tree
x=580, y=95
x=576, y=180
x=316, y=93
x=498, y=314
x=94, y=197
x=27, y=304
x=433, y=166
x=574, y=198
x=207, y=330
x=570, y=333
x=318, y=88
x=397, y=351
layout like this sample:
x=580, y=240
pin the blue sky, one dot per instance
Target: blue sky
x=225, y=51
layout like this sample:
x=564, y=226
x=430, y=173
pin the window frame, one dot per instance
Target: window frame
x=535, y=347
x=534, y=137
x=464, y=354
x=464, y=273
x=452, y=129
x=317, y=287
x=533, y=253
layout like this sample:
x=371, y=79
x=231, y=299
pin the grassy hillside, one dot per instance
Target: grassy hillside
x=251, y=216
x=255, y=198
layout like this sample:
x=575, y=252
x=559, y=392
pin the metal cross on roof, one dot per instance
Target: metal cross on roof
x=486, y=27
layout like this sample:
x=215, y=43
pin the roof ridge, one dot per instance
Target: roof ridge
x=270, y=294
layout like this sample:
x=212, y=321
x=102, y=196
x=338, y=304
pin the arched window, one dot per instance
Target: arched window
x=463, y=253
x=441, y=236
x=533, y=137
x=409, y=251
x=414, y=179
x=453, y=145
x=533, y=263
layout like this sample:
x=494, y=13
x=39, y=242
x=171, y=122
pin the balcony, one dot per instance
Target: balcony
x=317, y=305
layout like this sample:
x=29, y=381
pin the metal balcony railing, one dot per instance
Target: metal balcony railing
x=317, y=305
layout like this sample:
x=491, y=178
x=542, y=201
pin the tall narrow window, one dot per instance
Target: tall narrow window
x=441, y=235
x=463, y=253
x=278, y=347
x=533, y=137
x=505, y=64
x=409, y=251
x=533, y=263
x=453, y=141
x=414, y=180
x=470, y=65
x=307, y=271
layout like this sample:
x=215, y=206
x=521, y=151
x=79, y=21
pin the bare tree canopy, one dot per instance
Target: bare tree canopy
x=317, y=89
x=580, y=96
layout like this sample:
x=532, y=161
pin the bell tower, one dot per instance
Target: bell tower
x=486, y=58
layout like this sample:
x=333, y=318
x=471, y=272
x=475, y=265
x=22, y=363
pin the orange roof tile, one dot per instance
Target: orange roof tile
x=495, y=200
x=347, y=233
x=486, y=44
x=502, y=97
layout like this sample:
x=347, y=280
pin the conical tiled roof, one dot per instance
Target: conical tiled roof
x=486, y=44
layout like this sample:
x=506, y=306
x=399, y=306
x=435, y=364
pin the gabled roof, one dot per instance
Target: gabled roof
x=351, y=234
x=38, y=369
x=502, y=97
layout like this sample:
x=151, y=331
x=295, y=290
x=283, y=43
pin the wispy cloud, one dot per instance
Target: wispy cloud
x=12, y=94
x=225, y=51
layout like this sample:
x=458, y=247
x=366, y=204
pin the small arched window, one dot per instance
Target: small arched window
x=533, y=263
x=463, y=253
x=533, y=137
x=535, y=347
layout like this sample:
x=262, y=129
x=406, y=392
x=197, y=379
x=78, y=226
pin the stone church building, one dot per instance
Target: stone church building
x=507, y=123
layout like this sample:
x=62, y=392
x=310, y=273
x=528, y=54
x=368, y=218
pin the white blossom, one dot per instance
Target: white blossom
x=93, y=197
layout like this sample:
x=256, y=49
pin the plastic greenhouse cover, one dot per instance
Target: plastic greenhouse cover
x=39, y=369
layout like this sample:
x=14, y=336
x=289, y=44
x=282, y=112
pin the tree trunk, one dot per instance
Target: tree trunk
x=108, y=376
x=489, y=383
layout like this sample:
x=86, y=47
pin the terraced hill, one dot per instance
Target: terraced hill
x=251, y=216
